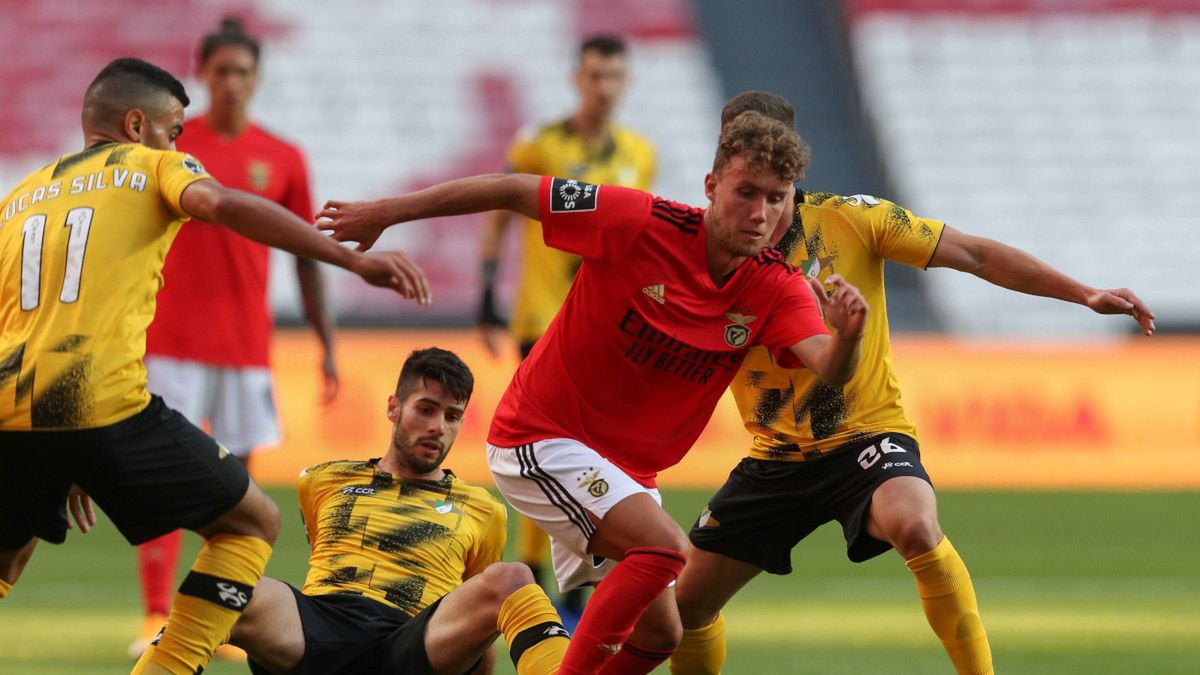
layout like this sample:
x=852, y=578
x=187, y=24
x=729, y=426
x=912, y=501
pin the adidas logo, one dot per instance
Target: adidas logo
x=657, y=292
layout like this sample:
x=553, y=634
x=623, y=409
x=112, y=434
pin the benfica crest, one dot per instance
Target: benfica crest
x=737, y=333
x=260, y=175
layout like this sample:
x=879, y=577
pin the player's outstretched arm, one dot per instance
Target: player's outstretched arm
x=269, y=223
x=833, y=358
x=1010, y=267
x=364, y=221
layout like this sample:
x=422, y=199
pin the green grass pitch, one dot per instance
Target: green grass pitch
x=1081, y=582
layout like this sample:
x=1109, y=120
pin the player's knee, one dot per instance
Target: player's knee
x=504, y=578
x=270, y=520
x=917, y=535
x=668, y=537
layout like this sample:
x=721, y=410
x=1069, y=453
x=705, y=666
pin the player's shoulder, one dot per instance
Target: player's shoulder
x=773, y=261
x=476, y=494
x=632, y=137
x=542, y=131
x=276, y=142
x=857, y=204
x=683, y=217
x=336, y=469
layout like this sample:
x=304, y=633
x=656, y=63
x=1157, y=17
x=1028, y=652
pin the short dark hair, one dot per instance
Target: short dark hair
x=604, y=43
x=771, y=143
x=131, y=83
x=439, y=365
x=230, y=33
x=772, y=105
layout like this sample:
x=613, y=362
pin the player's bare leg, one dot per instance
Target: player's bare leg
x=904, y=514
x=12, y=563
x=216, y=591
x=269, y=629
x=650, y=545
x=708, y=582
x=503, y=599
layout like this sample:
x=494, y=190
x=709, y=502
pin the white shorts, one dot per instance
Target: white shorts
x=556, y=483
x=237, y=403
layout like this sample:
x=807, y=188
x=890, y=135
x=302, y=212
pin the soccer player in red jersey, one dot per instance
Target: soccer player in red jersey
x=207, y=351
x=666, y=303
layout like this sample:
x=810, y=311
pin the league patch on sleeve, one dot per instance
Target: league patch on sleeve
x=568, y=195
x=191, y=164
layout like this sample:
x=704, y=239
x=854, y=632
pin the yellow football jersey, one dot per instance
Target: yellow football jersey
x=792, y=414
x=402, y=542
x=82, y=244
x=556, y=150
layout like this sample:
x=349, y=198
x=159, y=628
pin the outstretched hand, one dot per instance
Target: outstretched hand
x=1123, y=301
x=394, y=270
x=845, y=308
x=360, y=222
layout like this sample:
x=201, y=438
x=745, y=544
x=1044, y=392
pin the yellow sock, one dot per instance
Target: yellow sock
x=702, y=650
x=536, y=638
x=949, y=601
x=5, y=587
x=209, y=602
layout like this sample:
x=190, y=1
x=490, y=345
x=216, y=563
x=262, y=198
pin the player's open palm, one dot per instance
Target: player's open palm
x=1122, y=301
x=844, y=308
x=360, y=222
x=394, y=270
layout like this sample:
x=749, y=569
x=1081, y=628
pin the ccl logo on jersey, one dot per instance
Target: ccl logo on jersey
x=568, y=195
x=359, y=491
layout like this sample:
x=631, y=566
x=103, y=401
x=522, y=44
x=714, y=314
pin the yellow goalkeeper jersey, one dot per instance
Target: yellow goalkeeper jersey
x=403, y=542
x=556, y=150
x=82, y=244
x=792, y=414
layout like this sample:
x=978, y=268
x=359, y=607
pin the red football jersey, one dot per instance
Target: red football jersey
x=213, y=303
x=645, y=344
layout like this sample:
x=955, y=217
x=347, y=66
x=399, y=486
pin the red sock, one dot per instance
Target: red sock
x=634, y=660
x=616, y=606
x=157, y=560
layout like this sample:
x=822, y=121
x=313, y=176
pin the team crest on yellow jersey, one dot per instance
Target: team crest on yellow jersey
x=260, y=175
x=813, y=266
x=440, y=505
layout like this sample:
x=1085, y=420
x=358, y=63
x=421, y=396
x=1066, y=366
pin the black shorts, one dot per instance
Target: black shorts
x=152, y=473
x=352, y=634
x=767, y=507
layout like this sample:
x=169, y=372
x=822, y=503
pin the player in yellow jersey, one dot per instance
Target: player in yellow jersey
x=849, y=454
x=405, y=574
x=587, y=146
x=82, y=243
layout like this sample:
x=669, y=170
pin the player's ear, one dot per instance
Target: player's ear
x=710, y=185
x=134, y=124
x=393, y=409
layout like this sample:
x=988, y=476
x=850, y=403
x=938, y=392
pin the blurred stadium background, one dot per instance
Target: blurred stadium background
x=1066, y=446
